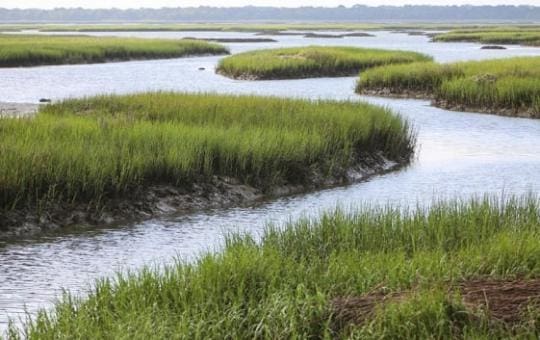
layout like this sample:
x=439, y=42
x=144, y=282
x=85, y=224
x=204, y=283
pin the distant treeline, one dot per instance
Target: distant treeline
x=251, y=13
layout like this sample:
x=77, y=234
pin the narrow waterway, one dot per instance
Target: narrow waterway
x=459, y=155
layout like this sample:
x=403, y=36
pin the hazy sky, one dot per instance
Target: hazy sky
x=228, y=3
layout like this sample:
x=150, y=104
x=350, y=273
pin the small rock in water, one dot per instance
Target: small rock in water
x=202, y=68
x=44, y=100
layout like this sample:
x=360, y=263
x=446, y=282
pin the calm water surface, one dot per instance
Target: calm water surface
x=459, y=155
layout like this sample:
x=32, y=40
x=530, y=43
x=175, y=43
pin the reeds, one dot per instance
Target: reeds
x=89, y=150
x=32, y=50
x=311, y=61
x=286, y=286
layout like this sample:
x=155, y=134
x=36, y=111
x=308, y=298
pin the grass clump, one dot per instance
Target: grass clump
x=289, y=284
x=311, y=61
x=494, y=35
x=92, y=149
x=506, y=86
x=32, y=50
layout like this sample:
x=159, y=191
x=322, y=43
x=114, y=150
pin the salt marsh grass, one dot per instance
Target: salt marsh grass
x=288, y=285
x=511, y=85
x=494, y=35
x=32, y=50
x=89, y=150
x=311, y=61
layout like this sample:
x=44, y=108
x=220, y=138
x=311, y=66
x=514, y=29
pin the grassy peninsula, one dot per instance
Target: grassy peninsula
x=457, y=270
x=32, y=50
x=90, y=154
x=502, y=86
x=494, y=35
x=311, y=61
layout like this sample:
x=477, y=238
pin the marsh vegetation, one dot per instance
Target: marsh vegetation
x=494, y=35
x=31, y=50
x=456, y=270
x=505, y=86
x=310, y=61
x=92, y=150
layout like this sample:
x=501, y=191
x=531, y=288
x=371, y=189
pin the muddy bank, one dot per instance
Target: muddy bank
x=338, y=36
x=107, y=60
x=18, y=109
x=323, y=35
x=386, y=92
x=280, y=33
x=522, y=112
x=233, y=40
x=254, y=77
x=161, y=200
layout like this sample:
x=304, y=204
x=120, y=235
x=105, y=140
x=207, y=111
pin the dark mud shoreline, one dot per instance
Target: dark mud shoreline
x=523, y=112
x=161, y=200
x=233, y=40
x=78, y=61
x=255, y=77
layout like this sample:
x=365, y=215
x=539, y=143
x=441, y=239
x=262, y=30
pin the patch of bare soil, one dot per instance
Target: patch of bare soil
x=501, y=300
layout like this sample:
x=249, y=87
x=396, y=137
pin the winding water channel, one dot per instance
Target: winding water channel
x=459, y=155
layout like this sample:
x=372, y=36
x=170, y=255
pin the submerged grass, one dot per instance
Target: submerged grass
x=31, y=50
x=286, y=286
x=510, y=86
x=89, y=150
x=311, y=61
x=494, y=35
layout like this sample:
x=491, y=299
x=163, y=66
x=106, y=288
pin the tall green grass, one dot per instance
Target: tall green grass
x=500, y=84
x=282, y=287
x=311, y=61
x=31, y=50
x=89, y=150
x=494, y=35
